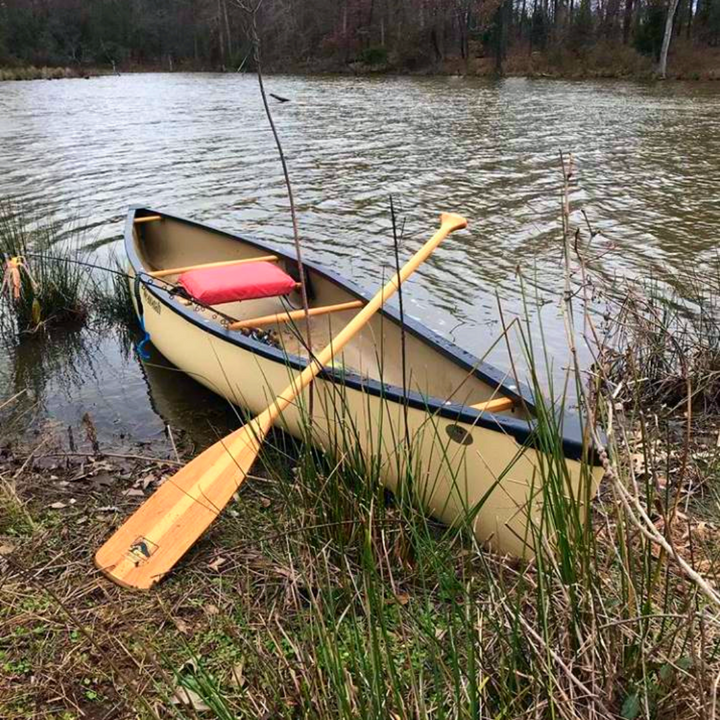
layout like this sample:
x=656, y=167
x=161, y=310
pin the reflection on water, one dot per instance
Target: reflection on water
x=648, y=161
x=188, y=407
x=70, y=371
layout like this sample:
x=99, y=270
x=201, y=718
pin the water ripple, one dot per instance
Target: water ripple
x=648, y=158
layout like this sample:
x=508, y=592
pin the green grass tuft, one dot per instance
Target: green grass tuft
x=52, y=288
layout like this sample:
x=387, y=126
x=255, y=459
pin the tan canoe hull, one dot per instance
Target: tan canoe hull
x=460, y=462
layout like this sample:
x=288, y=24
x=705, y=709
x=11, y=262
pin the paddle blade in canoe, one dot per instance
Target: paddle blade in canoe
x=161, y=530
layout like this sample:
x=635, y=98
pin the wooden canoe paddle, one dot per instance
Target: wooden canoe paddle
x=147, y=546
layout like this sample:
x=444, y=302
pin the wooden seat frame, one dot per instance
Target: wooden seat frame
x=495, y=406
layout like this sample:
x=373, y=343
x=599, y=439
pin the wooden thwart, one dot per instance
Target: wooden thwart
x=497, y=405
x=187, y=268
x=294, y=315
x=147, y=218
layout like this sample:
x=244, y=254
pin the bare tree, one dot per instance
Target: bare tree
x=662, y=65
x=251, y=7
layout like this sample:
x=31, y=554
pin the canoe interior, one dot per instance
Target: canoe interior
x=376, y=352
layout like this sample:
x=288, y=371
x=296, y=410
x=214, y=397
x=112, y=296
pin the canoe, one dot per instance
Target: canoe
x=471, y=428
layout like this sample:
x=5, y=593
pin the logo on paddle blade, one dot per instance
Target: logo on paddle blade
x=141, y=550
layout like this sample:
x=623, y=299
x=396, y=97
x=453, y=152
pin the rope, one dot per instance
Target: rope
x=140, y=347
x=143, y=278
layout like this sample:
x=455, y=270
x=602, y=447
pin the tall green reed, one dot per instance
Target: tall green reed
x=388, y=613
x=110, y=297
x=53, y=289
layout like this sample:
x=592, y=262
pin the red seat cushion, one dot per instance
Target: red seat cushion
x=214, y=286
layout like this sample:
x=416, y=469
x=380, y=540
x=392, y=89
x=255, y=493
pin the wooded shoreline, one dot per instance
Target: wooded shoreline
x=607, y=62
x=564, y=38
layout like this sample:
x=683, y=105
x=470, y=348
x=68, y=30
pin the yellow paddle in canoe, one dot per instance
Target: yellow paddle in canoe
x=147, y=546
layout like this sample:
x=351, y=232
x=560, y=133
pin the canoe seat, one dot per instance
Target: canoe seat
x=232, y=283
x=494, y=406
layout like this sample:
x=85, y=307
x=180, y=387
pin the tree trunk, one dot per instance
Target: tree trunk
x=662, y=66
x=611, y=18
x=627, y=20
x=678, y=27
x=346, y=39
x=228, y=34
x=221, y=34
x=370, y=22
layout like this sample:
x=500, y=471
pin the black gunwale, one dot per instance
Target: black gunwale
x=521, y=430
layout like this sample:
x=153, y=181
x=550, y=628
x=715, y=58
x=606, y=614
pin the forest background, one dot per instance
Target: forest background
x=570, y=38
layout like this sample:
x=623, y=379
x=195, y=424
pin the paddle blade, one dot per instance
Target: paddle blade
x=167, y=524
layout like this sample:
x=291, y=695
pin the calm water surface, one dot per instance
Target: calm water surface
x=648, y=160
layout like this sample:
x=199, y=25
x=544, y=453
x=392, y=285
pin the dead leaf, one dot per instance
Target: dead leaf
x=134, y=492
x=236, y=676
x=181, y=625
x=183, y=696
x=402, y=598
x=58, y=505
x=211, y=609
x=638, y=461
x=186, y=696
x=217, y=563
x=6, y=549
x=287, y=573
x=102, y=479
x=144, y=482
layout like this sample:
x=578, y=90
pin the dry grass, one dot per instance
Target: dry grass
x=34, y=73
x=599, y=60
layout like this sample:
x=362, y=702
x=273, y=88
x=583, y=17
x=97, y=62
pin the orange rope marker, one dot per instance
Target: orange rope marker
x=12, y=279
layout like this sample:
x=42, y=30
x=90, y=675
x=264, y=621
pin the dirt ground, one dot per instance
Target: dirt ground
x=72, y=644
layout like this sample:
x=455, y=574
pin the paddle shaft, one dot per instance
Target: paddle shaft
x=449, y=223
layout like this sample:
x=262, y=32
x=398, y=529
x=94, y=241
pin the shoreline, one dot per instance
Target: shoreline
x=449, y=69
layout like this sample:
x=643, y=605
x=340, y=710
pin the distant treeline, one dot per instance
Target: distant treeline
x=332, y=34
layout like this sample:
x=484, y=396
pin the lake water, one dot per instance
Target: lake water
x=648, y=174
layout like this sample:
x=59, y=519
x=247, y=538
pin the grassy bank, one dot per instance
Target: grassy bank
x=318, y=594
x=44, y=73
x=602, y=60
